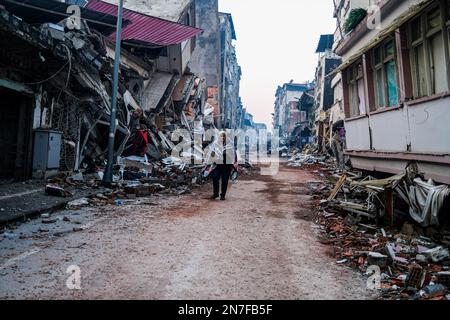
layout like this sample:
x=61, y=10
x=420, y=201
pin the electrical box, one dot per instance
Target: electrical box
x=46, y=153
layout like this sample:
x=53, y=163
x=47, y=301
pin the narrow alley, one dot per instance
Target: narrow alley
x=259, y=244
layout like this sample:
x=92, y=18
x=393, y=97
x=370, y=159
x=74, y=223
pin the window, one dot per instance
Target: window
x=385, y=75
x=428, y=57
x=356, y=103
x=418, y=58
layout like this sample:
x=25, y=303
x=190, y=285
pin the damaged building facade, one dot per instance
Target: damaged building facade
x=395, y=80
x=303, y=132
x=56, y=82
x=230, y=74
x=215, y=60
x=286, y=114
x=206, y=59
x=325, y=125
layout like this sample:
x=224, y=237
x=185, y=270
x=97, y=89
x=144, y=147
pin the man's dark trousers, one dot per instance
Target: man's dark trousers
x=222, y=171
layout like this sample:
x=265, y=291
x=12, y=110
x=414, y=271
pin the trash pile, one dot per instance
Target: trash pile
x=411, y=262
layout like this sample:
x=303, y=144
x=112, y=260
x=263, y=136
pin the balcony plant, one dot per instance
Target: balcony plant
x=354, y=19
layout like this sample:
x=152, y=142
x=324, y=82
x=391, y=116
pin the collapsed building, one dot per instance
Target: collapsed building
x=56, y=82
x=286, y=114
x=303, y=132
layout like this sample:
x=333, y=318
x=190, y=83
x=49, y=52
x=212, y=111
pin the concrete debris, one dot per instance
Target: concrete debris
x=54, y=190
x=368, y=224
x=49, y=221
x=76, y=204
x=437, y=254
x=9, y=235
x=300, y=159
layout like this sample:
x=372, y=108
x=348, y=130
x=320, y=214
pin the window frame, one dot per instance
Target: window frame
x=426, y=38
x=381, y=66
x=353, y=78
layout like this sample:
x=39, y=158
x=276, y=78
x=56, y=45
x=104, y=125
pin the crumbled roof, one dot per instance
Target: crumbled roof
x=171, y=10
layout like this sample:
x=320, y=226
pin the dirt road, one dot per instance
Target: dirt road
x=259, y=244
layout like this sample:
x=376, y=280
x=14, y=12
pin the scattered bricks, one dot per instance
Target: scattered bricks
x=416, y=277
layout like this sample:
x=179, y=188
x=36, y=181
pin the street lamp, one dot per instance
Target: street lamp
x=108, y=175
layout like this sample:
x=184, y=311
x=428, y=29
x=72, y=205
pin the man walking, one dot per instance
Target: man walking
x=223, y=170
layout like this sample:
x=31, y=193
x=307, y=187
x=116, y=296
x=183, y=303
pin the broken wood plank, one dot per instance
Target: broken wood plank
x=337, y=187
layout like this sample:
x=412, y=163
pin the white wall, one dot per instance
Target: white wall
x=425, y=126
x=430, y=126
x=186, y=55
x=390, y=130
x=357, y=134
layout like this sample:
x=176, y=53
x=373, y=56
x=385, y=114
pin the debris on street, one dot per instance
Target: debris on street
x=411, y=251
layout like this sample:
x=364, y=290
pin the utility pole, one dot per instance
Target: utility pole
x=108, y=175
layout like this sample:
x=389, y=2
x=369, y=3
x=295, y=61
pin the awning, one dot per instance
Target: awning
x=383, y=34
x=155, y=90
x=50, y=11
x=326, y=42
x=145, y=29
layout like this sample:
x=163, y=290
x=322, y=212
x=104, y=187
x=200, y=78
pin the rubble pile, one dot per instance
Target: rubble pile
x=75, y=98
x=134, y=178
x=399, y=256
x=299, y=158
x=411, y=262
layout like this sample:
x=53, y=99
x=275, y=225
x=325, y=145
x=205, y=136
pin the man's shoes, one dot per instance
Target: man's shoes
x=214, y=197
x=222, y=198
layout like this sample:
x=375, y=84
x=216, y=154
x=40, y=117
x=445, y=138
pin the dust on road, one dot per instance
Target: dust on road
x=259, y=244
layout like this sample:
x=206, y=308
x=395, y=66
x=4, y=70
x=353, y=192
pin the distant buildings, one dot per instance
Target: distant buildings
x=286, y=112
x=303, y=132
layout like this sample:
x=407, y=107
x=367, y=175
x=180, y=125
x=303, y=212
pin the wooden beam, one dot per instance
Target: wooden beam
x=16, y=86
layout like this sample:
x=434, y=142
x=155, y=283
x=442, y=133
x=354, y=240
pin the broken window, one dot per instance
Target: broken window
x=428, y=56
x=356, y=90
x=385, y=75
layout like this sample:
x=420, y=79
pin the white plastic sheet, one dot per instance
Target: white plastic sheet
x=425, y=200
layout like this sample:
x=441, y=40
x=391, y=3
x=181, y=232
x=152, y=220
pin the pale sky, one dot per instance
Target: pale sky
x=276, y=42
